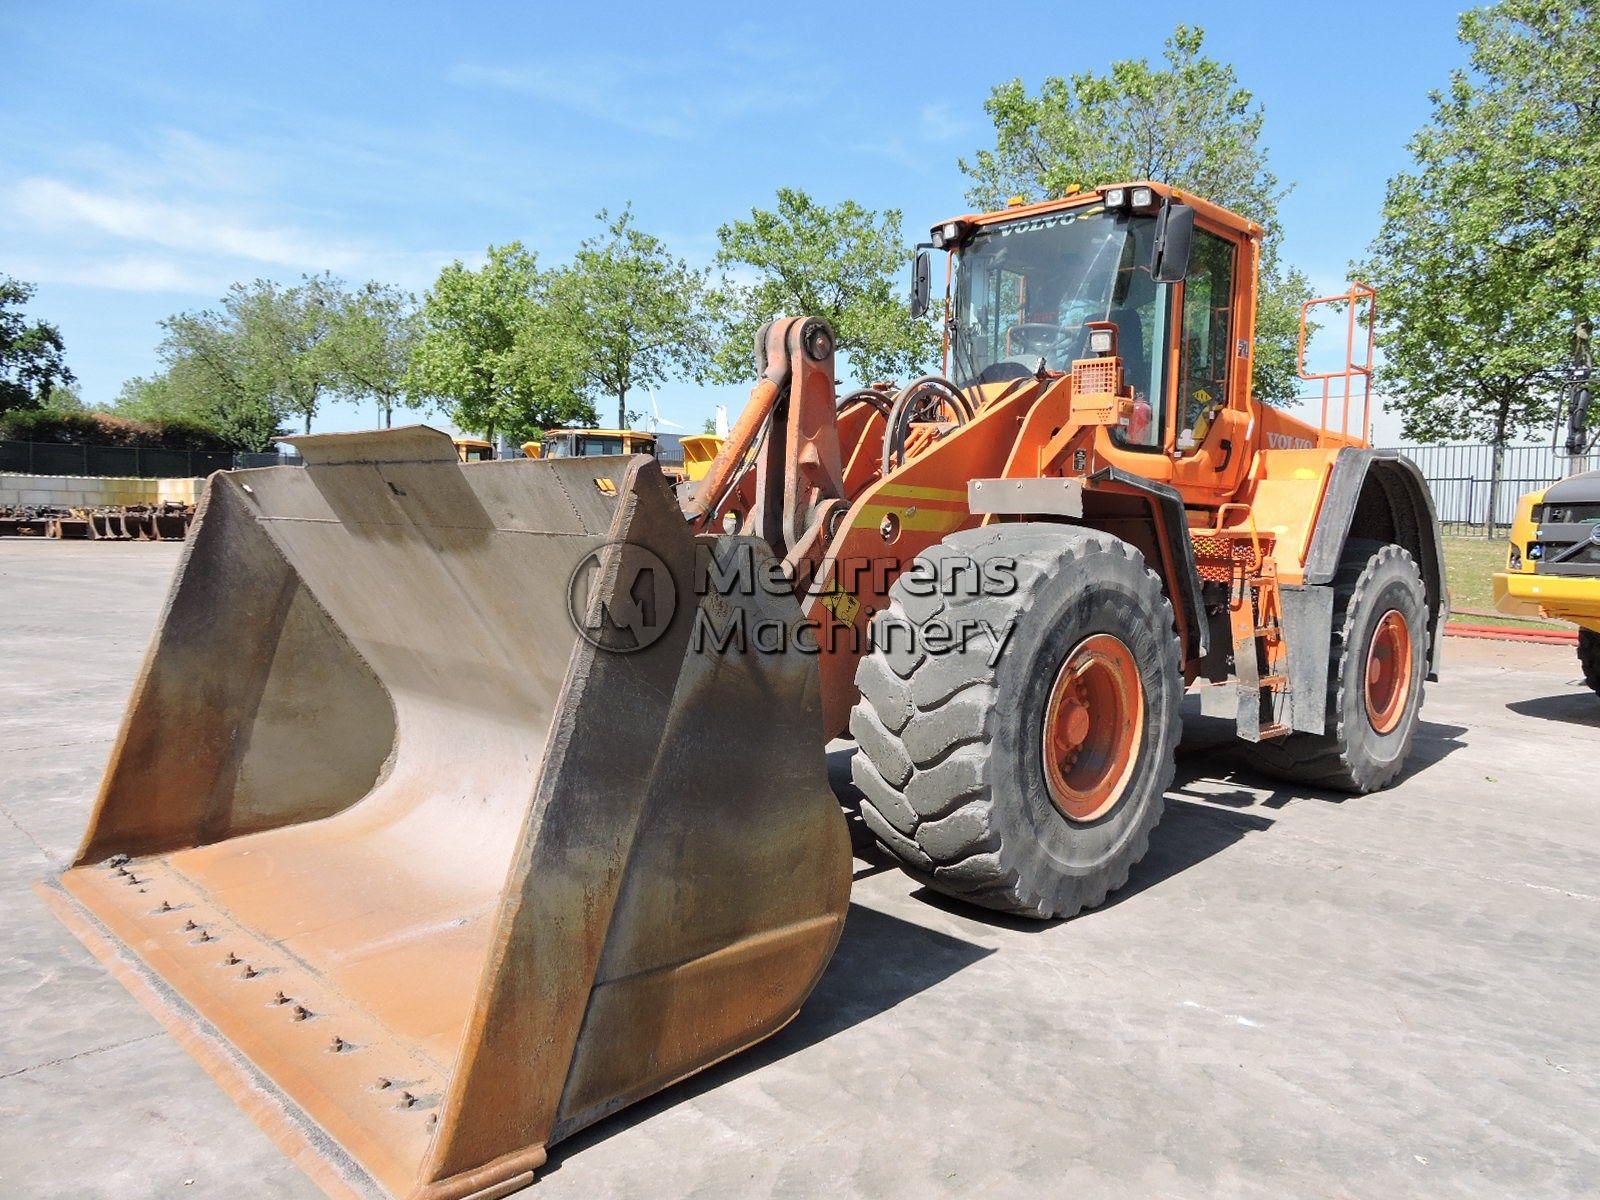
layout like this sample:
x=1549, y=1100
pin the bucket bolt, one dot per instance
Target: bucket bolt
x=232, y=960
x=407, y=1100
x=117, y=861
x=302, y=1013
x=250, y=972
x=280, y=998
x=190, y=925
x=339, y=1045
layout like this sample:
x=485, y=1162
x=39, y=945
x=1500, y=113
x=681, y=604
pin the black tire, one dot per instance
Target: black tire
x=950, y=760
x=1589, y=657
x=1352, y=756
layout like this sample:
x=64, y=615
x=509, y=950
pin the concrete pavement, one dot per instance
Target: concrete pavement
x=1298, y=994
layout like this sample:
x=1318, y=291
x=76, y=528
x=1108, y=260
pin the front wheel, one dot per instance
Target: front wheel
x=1589, y=657
x=1021, y=768
x=1377, y=660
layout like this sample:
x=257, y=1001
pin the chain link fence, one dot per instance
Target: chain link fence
x=133, y=462
x=1475, y=490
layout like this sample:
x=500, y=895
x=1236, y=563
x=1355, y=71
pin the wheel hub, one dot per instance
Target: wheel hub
x=1092, y=727
x=1388, y=682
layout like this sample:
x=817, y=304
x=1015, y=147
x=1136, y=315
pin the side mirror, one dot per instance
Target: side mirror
x=1578, y=416
x=920, y=285
x=1169, y=261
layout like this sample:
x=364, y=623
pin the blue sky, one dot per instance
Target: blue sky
x=152, y=152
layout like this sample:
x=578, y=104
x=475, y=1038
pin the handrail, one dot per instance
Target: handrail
x=1221, y=526
x=1352, y=370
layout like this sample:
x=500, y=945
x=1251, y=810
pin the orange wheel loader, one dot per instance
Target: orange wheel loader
x=459, y=804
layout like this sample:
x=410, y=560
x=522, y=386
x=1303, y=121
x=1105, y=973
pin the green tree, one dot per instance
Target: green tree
x=206, y=378
x=492, y=352
x=263, y=353
x=32, y=354
x=285, y=336
x=64, y=397
x=375, y=332
x=1188, y=124
x=843, y=263
x=631, y=314
x=1489, y=254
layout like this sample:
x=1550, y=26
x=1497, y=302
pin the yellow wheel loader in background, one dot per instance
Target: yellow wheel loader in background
x=1553, y=562
x=500, y=800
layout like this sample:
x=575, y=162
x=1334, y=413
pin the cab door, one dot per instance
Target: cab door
x=1212, y=427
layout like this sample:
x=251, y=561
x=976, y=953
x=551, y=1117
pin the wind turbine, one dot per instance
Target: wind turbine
x=656, y=419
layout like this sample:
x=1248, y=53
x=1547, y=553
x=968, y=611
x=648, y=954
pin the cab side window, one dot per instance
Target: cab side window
x=1207, y=342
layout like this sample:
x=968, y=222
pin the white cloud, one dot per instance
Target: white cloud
x=125, y=239
x=648, y=95
x=169, y=158
x=589, y=92
x=895, y=150
x=128, y=274
x=53, y=205
x=938, y=122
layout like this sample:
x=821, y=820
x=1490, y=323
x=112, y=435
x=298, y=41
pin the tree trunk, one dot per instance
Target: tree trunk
x=622, y=409
x=1497, y=466
x=308, y=420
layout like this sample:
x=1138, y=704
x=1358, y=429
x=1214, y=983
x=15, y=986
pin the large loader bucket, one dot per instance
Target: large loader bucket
x=428, y=880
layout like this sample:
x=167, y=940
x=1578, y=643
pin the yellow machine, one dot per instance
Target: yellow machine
x=471, y=449
x=1553, y=563
x=585, y=443
x=501, y=800
x=699, y=450
x=589, y=443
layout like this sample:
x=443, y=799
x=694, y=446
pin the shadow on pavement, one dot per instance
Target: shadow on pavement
x=1189, y=834
x=881, y=961
x=1199, y=822
x=1573, y=708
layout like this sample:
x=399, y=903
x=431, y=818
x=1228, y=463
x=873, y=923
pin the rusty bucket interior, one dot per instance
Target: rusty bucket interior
x=436, y=879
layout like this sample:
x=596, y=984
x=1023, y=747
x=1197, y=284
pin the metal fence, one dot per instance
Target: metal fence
x=137, y=462
x=1475, y=495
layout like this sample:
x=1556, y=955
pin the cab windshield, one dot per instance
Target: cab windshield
x=1025, y=291
x=587, y=445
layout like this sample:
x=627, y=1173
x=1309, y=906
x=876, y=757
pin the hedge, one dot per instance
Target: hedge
x=103, y=429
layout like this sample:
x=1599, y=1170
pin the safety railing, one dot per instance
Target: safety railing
x=1361, y=305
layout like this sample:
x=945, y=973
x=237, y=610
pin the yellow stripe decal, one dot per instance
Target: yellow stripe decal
x=924, y=520
x=904, y=491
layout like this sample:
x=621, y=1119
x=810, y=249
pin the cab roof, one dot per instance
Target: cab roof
x=630, y=433
x=1208, y=211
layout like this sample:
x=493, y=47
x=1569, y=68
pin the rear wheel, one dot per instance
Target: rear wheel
x=1589, y=657
x=1024, y=768
x=1378, y=656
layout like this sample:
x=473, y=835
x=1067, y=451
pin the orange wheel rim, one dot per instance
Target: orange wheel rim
x=1092, y=727
x=1388, y=671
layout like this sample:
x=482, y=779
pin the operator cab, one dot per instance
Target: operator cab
x=1033, y=283
x=470, y=450
x=586, y=443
